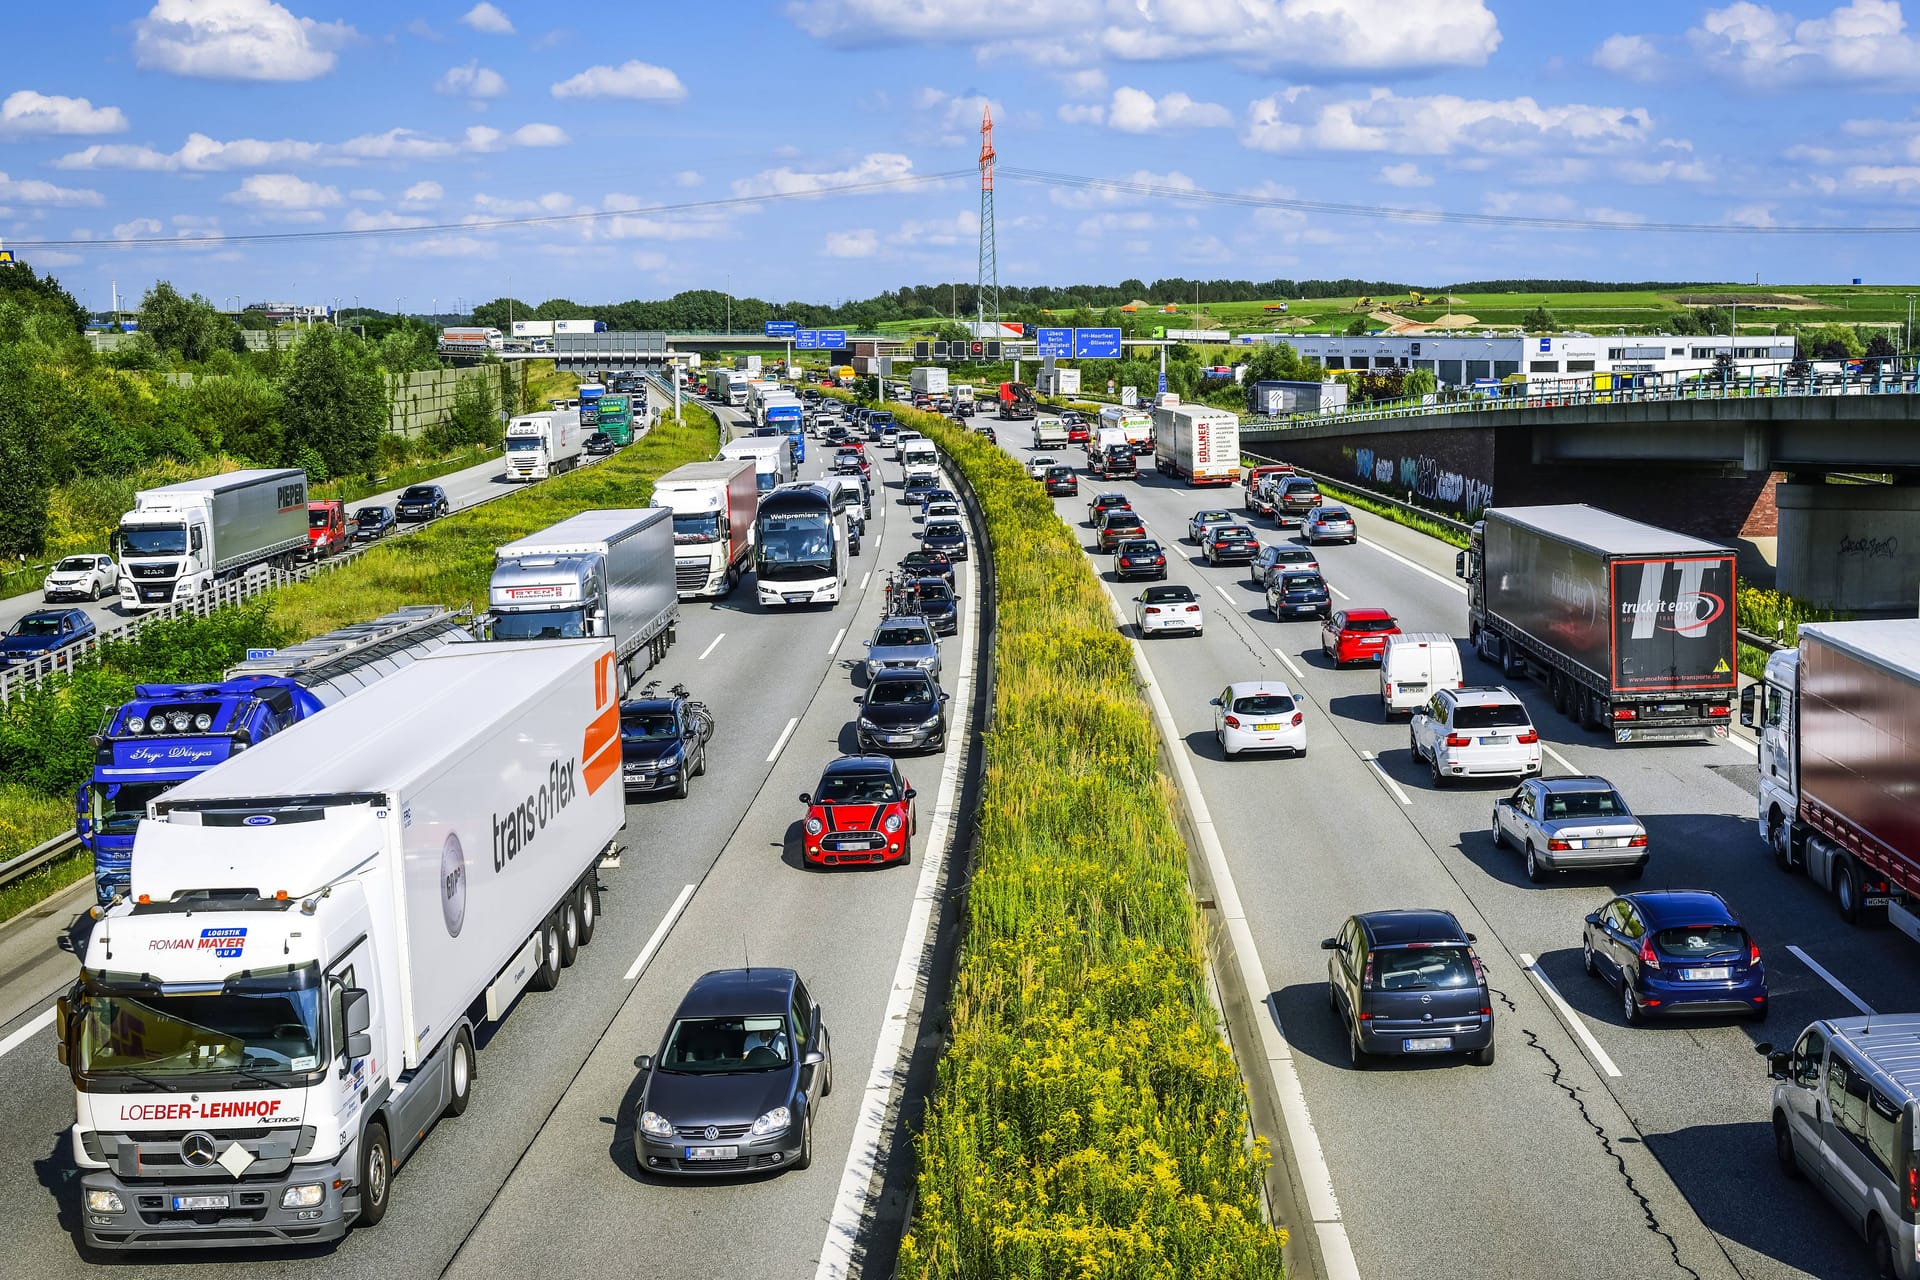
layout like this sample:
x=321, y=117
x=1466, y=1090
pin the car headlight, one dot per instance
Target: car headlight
x=925, y=664
x=775, y=1121
x=303, y=1195
x=893, y=822
x=655, y=1125
x=104, y=1200
x=931, y=722
x=867, y=724
x=813, y=826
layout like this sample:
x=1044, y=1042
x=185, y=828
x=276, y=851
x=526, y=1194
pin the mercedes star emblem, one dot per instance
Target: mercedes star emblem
x=197, y=1149
x=713, y=1131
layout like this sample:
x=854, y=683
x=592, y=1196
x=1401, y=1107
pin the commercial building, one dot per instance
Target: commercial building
x=1462, y=359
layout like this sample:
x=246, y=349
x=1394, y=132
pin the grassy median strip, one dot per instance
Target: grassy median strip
x=1088, y=1118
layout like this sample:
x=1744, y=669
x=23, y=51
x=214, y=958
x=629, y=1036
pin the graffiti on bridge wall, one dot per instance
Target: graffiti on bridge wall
x=1421, y=476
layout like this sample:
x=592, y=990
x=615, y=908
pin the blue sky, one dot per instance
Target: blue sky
x=222, y=119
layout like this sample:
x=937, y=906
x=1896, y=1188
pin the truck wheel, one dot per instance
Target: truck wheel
x=1846, y=890
x=460, y=1073
x=1780, y=840
x=569, y=931
x=589, y=896
x=547, y=976
x=376, y=1174
x=1513, y=664
x=1557, y=689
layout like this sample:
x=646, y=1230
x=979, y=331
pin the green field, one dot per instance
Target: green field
x=1762, y=309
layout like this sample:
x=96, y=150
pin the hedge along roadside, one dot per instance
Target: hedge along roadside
x=1087, y=1117
x=44, y=732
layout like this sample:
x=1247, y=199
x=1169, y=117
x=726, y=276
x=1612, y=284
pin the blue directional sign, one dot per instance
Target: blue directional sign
x=806, y=339
x=782, y=328
x=1163, y=384
x=1054, y=342
x=831, y=339
x=1096, y=344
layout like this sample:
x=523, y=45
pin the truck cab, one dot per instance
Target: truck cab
x=326, y=529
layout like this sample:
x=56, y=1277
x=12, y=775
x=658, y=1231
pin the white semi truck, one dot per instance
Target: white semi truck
x=179, y=540
x=713, y=505
x=319, y=927
x=544, y=444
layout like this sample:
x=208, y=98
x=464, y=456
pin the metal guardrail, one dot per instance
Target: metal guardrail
x=51, y=851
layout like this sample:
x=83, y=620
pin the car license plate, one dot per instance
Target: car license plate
x=183, y=1203
x=797, y=599
x=1493, y=742
x=713, y=1153
x=1267, y=728
x=899, y=737
x=1430, y=1044
x=1707, y=975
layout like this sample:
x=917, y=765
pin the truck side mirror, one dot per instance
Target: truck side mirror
x=1460, y=565
x=1749, y=702
x=356, y=1009
x=60, y=1016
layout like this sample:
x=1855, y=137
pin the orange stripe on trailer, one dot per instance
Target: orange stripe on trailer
x=601, y=748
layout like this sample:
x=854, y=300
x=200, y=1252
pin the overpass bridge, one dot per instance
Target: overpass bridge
x=1770, y=465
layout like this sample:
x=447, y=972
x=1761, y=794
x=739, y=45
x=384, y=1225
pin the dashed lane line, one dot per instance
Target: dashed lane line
x=1568, y=1016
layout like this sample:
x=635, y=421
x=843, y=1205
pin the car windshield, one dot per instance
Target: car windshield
x=319, y=519
x=74, y=564
x=265, y=1020
x=1370, y=624
x=1263, y=704
x=935, y=561
x=370, y=515
x=1293, y=555
x=1301, y=488
x=932, y=589
x=1059, y=473
x=900, y=693
x=1140, y=547
x=857, y=788
x=1301, y=582
x=38, y=625
x=648, y=726
x=1167, y=595
x=1213, y=517
x=1701, y=942
x=1123, y=520
x=896, y=635
x=1330, y=515
x=418, y=493
x=1496, y=715
x=714, y=1046
x=1234, y=531
x=1423, y=968
x=1586, y=804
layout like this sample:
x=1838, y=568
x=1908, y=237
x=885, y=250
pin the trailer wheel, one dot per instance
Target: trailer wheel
x=460, y=1073
x=376, y=1174
x=547, y=976
x=1557, y=686
x=589, y=894
x=569, y=914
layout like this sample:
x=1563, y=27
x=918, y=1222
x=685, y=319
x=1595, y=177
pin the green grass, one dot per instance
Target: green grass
x=43, y=883
x=1088, y=1119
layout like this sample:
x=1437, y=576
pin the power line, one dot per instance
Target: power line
x=494, y=224
x=1196, y=195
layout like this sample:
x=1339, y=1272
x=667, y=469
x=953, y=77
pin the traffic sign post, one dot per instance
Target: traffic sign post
x=1163, y=384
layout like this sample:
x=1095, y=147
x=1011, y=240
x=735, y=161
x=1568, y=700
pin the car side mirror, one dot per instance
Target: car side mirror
x=910, y=793
x=813, y=1058
x=1213, y=702
x=1778, y=1064
x=1472, y=938
x=644, y=1062
x=1593, y=917
x=1329, y=944
x=805, y=798
x=944, y=695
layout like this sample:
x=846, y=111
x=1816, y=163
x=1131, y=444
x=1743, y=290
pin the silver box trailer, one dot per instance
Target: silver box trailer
x=182, y=538
x=599, y=573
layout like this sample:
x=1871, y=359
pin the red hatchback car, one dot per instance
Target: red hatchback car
x=862, y=813
x=1357, y=635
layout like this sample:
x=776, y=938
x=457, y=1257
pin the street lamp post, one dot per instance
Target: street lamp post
x=729, y=304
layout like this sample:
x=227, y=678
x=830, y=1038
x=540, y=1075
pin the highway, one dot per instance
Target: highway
x=1588, y=1148
x=538, y=1177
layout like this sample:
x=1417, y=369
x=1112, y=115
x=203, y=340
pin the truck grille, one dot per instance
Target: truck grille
x=690, y=575
x=150, y=570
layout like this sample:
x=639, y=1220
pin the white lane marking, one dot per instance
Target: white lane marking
x=1337, y=591
x=855, y=1196
x=784, y=735
x=1571, y=1018
x=715, y=645
x=1298, y=674
x=863, y=579
x=27, y=1032
x=1315, y=1179
x=1380, y=772
x=660, y=932
x=1223, y=594
x=1559, y=759
x=834, y=646
x=1804, y=958
x=1455, y=583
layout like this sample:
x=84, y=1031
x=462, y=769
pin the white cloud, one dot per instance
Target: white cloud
x=1082, y=113
x=201, y=154
x=1649, y=172
x=1101, y=223
x=863, y=242
x=1898, y=179
x=879, y=166
x=34, y=191
x=427, y=192
x=27, y=112
x=283, y=192
x=471, y=81
x=1862, y=42
x=361, y=220
x=688, y=178
x=962, y=228
x=1405, y=175
x=1137, y=111
x=1631, y=56
x=633, y=79
x=235, y=40
x=502, y=207
x=488, y=18
x=445, y=247
x=538, y=135
x=1441, y=124
x=1090, y=83
x=1751, y=215
x=137, y=227
x=1328, y=36
x=1132, y=193
x=647, y=260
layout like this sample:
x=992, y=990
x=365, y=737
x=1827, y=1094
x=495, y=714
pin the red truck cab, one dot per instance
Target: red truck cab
x=326, y=529
x=1262, y=503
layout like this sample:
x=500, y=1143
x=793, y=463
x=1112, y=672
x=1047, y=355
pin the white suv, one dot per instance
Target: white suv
x=1480, y=731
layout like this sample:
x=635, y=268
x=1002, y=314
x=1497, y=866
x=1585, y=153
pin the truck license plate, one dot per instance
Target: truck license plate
x=713, y=1153
x=1431, y=1044
x=1707, y=975
x=182, y=1203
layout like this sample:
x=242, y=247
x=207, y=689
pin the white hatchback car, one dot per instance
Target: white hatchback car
x=81, y=578
x=1168, y=607
x=1481, y=731
x=1259, y=715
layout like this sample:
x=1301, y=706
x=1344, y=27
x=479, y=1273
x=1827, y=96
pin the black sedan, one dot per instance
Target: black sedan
x=1062, y=483
x=599, y=445
x=421, y=502
x=370, y=524
x=738, y=1078
x=663, y=742
x=1140, y=558
x=945, y=535
x=1227, y=543
x=902, y=710
x=933, y=600
x=928, y=564
x=1298, y=595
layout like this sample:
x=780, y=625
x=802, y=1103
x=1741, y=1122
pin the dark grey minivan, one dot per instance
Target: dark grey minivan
x=1408, y=982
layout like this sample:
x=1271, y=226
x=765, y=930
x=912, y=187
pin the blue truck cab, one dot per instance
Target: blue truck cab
x=789, y=419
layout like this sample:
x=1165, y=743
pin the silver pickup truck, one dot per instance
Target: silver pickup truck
x=1049, y=433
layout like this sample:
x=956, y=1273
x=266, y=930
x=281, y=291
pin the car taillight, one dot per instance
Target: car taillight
x=1559, y=846
x=1638, y=842
x=1528, y=738
x=1459, y=740
x=1152, y=609
x=1233, y=722
x=1366, y=977
x=1298, y=719
x=1159, y=559
x=1753, y=952
x=1913, y=1187
x=1647, y=957
x=1623, y=713
x=1193, y=608
x=1388, y=689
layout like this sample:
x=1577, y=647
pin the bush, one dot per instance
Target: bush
x=1087, y=1119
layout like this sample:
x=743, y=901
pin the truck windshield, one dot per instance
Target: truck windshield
x=319, y=519
x=795, y=546
x=540, y=624
x=701, y=526
x=155, y=540
x=262, y=1022
x=516, y=444
x=117, y=807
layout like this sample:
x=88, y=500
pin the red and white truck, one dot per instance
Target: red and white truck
x=1838, y=723
x=714, y=505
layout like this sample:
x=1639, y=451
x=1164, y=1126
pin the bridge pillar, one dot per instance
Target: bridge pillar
x=1853, y=547
x=1757, y=448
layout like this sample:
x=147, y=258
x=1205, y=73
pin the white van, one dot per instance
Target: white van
x=920, y=452
x=1414, y=666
